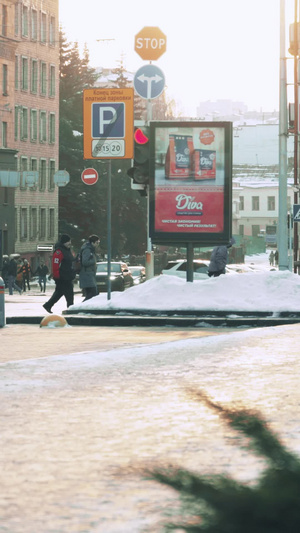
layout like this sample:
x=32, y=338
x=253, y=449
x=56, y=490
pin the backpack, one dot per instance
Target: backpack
x=77, y=263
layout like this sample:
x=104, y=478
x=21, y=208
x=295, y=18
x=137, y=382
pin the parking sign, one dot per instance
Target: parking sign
x=108, y=123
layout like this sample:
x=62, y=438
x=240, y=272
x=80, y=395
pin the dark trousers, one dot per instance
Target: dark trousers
x=216, y=274
x=90, y=292
x=62, y=288
x=26, y=281
x=42, y=283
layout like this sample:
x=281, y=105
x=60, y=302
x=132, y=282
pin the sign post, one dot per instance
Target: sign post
x=107, y=134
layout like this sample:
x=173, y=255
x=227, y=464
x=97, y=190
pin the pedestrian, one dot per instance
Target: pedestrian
x=271, y=258
x=87, y=275
x=219, y=258
x=62, y=273
x=276, y=257
x=26, y=271
x=4, y=271
x=11, y=276
x=19, y=278
x=42, y=271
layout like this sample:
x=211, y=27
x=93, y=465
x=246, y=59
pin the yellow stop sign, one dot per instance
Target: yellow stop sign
x=150, y=43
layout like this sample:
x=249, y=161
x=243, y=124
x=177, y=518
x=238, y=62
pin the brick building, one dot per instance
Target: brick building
x=29, y=117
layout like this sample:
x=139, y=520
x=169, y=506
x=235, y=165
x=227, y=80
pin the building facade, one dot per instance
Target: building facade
x=29, y=104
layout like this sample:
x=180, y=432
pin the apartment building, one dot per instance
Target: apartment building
x=29, y=115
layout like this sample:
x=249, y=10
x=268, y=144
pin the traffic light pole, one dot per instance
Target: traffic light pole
x=109, y=231
x=149, y=252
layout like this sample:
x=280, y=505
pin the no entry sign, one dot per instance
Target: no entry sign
x=89, y=176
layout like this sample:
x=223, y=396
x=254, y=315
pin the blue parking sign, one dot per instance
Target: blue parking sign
x=108, y=120
x=296, y=213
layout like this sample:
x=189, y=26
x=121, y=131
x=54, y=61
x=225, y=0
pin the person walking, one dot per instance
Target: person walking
x=219, y=258
x=26, y=271
x=87, y=275
x=62, y=273
x=4, y=271
x=11, y=276
x=271, y=258
x=42, y=271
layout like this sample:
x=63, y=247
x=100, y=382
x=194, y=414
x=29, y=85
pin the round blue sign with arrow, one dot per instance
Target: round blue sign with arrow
x=149, y=82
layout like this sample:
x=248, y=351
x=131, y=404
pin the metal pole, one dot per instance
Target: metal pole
x=189, y=262
x=296, y=118
x=282, y=200
x=149, y=252
x=109, y=231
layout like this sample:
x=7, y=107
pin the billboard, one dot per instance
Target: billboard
x=190, y=182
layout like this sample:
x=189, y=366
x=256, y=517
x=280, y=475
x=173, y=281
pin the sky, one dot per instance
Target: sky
x=215, y=49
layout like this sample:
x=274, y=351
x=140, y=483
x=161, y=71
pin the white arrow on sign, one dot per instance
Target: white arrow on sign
x=297, y=216
x=149, y=80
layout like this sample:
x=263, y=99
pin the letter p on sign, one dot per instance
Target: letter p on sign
x=150, y=43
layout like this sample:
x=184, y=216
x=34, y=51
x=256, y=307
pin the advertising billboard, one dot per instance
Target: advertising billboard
x=190, y=182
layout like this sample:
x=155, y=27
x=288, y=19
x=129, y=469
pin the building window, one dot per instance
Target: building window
x=271, y=203
x=52, y=128
x=241, y=205
x=33, y=164
x=4, y=80
x=24, y=124
x=255, y=203
x=43, y=28
x=51, y=174
x=23, y=223
x=24, y=21
x=16, y=72
x=34, y=23
x=4, y=20
x=33, y=125
x=33, y=223
x=52, y=81
x=52, y=31
x=24, y=73
x=43, y=78
x=17, y=18
x=43, y=127
x=34, y=76
x=16, y=122
x=51, y=223
x=5, y=195
x=4, y=134
x=16, y=223
x=42, y=223
x=255, y=230
x=43, y=174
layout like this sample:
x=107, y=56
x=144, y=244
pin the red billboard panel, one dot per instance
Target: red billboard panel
x=190, y=182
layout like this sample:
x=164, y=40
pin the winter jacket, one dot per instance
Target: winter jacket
x=12, y=268
x=42, y=271
x=87, y=275
x=218, y=260
x=62, y=263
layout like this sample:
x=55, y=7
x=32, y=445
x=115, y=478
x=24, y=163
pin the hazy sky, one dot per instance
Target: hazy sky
x=216, y=49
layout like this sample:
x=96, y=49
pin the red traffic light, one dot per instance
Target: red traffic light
x=140, y=137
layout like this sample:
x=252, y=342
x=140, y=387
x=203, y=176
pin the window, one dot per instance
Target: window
x=255, y=203
x=33, y=164
x=271, y=203
x=4, y=79
x=24, y=21
x=24, y=74
x=43, y=174
x=52, y=81
x=24, y=124
x=241, y=206
x=42, y=223
x=16, y=223
x=33, y=223
x=4, y=20
x=34, y=22
x=52, y=128
x=17, y=18
x=52, y=31
x=16, y=72
x=33, y=125
x=23, y=223
x=51, y=223
x=255, y=230
x=16, y=122
x=43, y=28
x=51, y=174
x=5, y=195
x=43, y=127
x=43, y=78
x=34, y=76
x=4, y=134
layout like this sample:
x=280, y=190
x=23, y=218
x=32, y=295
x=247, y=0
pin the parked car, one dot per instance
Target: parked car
x=138, y=274
x=120, y=276
x=179, y=268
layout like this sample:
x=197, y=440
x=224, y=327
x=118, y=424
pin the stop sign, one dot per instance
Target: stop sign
x=89, y=176
x=150, y=43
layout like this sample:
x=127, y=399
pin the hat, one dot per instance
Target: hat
x=231, y=242
x=65, y=238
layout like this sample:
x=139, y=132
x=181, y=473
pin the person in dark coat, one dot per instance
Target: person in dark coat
x=87, y=275
x=42, y=271
x=11, y=276
x=4, y=271
x=26, y=271
x=62, y=273
x=219, y=258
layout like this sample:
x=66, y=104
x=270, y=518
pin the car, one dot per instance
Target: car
x=120, y=276
x=179, y=268
x=138, y=274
